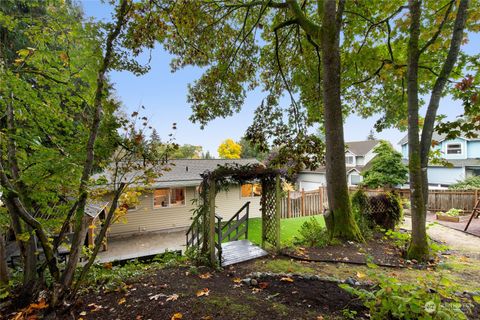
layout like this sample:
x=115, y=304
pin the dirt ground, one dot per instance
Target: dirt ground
x=378, y=250
x=217, y=295
x=273, y=287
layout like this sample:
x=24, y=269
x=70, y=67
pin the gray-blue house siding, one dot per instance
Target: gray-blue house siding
x=463, y=155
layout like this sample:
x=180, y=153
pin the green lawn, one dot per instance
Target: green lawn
x=288, y=228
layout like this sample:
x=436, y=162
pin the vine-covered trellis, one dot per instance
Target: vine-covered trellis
x=201, y=235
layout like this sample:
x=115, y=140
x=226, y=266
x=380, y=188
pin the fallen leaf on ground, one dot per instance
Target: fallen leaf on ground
x=83, y=313
x=361, y=275
x=203, y=292
x=286, y=279
x=177, y=316
x=206, y=318
x=95, y=307
x=122, y=300
x=237, y=280
x=207, y=275
x=262, y=285
x=156, y=296
x=172, y=297
x=40, y=305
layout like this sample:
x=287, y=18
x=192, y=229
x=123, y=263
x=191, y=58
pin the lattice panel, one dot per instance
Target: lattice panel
x=270, y=221
x=377, y=205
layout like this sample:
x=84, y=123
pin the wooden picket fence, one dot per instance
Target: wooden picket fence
x=307, y=203
x=439, y=200
x=304, y=203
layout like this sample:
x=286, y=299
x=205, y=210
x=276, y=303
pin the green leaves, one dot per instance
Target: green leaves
x=387, y=168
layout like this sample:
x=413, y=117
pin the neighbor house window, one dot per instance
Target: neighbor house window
x=349, y=159
x=164, y=198
x=251, y=190
x=355, y=179
x=454, y=148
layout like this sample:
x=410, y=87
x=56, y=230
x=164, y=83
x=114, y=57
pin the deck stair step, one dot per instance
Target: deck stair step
x=239, y=251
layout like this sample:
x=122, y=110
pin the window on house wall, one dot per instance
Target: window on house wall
x=454, y=148
x=355, y=179
x=164, y=198
x=349, y=159
x=249, y=190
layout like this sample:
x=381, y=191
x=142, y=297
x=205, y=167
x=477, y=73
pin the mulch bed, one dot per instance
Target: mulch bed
x=174, y=290
x=380, y=250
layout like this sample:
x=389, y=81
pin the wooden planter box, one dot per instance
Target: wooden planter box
x=448, y=218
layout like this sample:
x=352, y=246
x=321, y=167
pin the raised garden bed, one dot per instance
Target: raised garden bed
x=448, y=218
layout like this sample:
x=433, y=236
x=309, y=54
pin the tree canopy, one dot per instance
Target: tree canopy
x=386, y=169
x=229, y=149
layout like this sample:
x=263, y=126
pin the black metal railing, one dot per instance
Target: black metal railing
x=233, y=229
x=194, y=235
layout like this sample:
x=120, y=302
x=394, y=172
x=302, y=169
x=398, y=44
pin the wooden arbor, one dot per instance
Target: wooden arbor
x=202, y=231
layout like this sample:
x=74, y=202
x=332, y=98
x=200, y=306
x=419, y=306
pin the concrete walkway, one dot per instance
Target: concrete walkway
x=455, y=239
x=142, y=245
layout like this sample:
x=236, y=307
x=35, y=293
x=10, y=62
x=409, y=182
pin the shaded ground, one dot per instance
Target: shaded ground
x=378, y=250
x=473, y=228
x=216, y=295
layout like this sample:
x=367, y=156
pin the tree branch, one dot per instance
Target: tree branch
x=440, y=27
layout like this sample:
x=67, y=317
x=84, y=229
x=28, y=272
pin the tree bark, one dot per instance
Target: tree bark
x=344, y=225
x=418, y=248
x=99, y=239
x=81, y=220
x=437, y=91
x=4, y=277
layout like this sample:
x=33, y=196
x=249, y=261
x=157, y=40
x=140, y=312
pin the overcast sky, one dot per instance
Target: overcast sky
x=164, y=96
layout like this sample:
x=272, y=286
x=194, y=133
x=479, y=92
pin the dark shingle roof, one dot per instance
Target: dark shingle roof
x=190, y=169
x=182, y=172
x=361, y=148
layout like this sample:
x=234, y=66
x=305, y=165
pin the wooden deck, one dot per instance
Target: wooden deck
x=240, y=251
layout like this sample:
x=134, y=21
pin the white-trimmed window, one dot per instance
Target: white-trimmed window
x=355, y=179
x=454, y=148
x=249, y=190
x=349, y=160
x=166, y=198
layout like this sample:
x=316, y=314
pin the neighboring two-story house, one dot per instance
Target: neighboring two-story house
x=462, y=153
x=357, y=158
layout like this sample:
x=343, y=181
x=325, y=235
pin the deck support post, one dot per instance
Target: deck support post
x=278, y=210
x=211, y=222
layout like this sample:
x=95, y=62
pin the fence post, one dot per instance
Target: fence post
x=289, y=206
x=303, y=202
x=320, y=193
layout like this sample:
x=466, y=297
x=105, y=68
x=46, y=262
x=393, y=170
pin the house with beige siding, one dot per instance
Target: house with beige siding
x=167, y=203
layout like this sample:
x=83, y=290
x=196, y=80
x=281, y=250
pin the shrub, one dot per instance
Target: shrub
x=387, y=210
x=384, y=210
x=392, y=299
x=451, y=213
x=312, y=234
x=467, y=184
x=360, y=203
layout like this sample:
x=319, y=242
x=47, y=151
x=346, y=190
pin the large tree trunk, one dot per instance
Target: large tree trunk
x=344, y=225
x=27, y=249
x=80, y=220
x=418, y=248
x=437, y=91
x=3, y=259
